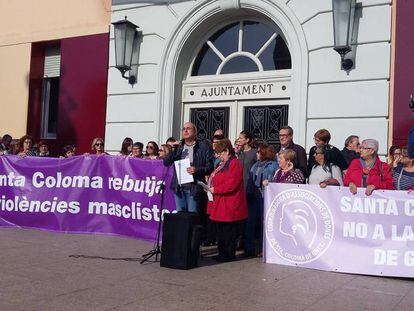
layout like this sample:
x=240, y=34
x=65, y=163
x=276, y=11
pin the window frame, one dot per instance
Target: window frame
x=46, y=104
x=255, y=57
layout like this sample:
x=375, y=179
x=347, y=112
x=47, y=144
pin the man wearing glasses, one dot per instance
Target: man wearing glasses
x=286, y=142
x=189, y=196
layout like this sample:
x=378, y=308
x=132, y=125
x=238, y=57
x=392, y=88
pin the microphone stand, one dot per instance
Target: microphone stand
x=157, y=248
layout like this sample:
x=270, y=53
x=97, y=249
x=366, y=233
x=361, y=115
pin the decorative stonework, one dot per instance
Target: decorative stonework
x=229, y=4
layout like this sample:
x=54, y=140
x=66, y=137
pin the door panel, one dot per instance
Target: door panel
x=264, y=122
x=207, y=120
x=208, y=117
x=261, y=118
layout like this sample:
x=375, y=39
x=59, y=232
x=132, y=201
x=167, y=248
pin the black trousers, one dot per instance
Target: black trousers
x=227, y=234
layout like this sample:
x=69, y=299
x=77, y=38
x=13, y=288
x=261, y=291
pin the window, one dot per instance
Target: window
x=50, y=98
x=264, y=122
x=207, y=120
x=245, y=46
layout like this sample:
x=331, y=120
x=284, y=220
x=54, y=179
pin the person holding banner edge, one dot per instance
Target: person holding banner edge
x=287, y=172
x=324, y=172
x=368, y=171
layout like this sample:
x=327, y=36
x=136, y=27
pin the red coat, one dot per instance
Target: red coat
x=229, y=203
x=355, y=172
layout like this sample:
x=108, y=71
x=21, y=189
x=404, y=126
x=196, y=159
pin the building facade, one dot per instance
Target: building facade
x=258, y=65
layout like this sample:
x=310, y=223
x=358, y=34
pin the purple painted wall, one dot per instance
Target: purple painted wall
x=82, y=93
x=83, y=90
x=404, y=70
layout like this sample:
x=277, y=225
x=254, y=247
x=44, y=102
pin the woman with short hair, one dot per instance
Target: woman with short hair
x=287, y=173
x=394, y=155
x=98, y=146
x=137, y=148
x=228, y=208
x=368, y=171
x=403, y=173
x=26, y=145
x=68, y=151
x=322, y=138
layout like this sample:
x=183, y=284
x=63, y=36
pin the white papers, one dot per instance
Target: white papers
x=206, y=189
x=181, y=170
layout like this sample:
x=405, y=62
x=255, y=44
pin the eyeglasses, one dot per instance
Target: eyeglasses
x=99, y=144
x=186, y=129
x=150, y=147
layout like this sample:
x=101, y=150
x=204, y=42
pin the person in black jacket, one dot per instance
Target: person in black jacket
x=322, y=138
x=351, y=149
x=286, y=142
x=188, y=196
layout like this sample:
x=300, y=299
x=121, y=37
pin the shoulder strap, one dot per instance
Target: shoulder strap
x=381, y=171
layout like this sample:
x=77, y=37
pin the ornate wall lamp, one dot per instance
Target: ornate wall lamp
x=343, y=23
x=126, y=45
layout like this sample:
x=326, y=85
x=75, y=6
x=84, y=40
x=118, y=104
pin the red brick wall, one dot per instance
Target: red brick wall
x=403, y=118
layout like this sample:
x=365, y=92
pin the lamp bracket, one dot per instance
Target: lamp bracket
x=346, y=63
x=131, y=79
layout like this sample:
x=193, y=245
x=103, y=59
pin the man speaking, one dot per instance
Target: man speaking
x=189, y=196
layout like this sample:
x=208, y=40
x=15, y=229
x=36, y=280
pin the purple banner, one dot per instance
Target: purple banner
x=331, y=229
x=85, y=194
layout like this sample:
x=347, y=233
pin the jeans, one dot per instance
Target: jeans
x=185, y=202
x=254, y=226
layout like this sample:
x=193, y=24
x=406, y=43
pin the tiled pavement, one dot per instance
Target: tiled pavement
x=39, y=272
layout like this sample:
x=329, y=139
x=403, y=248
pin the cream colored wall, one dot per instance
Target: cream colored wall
x=24, y=22
x=14, y=79
x=42, y=20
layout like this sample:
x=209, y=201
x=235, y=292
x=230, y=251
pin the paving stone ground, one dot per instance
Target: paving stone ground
x=54, y=271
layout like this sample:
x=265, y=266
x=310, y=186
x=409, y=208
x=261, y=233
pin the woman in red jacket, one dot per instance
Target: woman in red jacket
x=368, y=171
x=229, y=206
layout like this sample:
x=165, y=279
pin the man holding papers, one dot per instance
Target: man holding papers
x=193, y=160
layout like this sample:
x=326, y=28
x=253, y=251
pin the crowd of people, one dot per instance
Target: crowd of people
x=26, y=146
x=235, y=175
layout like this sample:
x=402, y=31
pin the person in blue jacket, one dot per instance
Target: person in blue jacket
x=263, y=169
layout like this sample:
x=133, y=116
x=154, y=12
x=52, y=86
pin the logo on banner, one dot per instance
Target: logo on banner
x=299, y=226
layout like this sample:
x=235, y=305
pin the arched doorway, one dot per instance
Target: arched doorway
x=193, y=31
x=239, y=79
